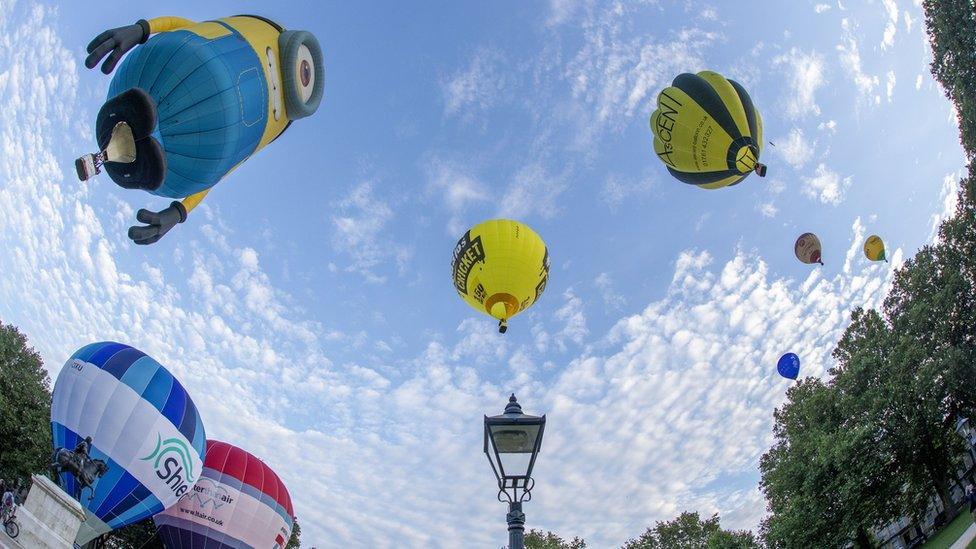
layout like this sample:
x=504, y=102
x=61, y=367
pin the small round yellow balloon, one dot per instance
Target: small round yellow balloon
x=500, y=268
x=874, y=248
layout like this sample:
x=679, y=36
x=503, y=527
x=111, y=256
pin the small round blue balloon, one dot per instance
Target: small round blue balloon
x=789, y=365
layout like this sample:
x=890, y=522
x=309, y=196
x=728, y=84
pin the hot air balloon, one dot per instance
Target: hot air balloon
x=788, y=366
x=142, y=424
x=807, y=248
x=500, y=268
x=874, y=249
x=238, y=502
x=193, y=101
x=707, y=131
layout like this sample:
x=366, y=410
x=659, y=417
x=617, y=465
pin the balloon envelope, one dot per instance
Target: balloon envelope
x=807, y=248
x=500, y=267
x=789, y=365
x=143, y=424
x=217, y=93
x=874, y=248
x=238, y=502
x=707, y=131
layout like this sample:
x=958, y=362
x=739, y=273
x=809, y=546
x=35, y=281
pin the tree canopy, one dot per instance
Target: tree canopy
x=689, y=531
x=25, y=408
x=537, y=539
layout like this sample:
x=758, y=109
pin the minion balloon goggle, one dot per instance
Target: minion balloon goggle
x=302, y=75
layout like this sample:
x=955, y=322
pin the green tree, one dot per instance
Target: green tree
x=928, y=378
x=951, y=26
x=537, y=539
x=689, y=531
x=141, y=535
x=25, y=407
x=824, y=478
x=295, y=541
x=738, y=539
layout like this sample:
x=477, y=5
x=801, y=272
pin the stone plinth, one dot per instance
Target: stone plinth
x=49, y=519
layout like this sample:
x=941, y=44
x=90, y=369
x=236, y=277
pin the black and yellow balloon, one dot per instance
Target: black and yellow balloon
x=707, y=131
x=500, y=268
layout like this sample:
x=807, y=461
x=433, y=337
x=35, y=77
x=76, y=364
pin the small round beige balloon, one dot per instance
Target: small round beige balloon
x=807, y=248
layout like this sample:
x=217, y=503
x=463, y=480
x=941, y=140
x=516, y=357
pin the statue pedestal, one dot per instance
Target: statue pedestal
x=49, y=519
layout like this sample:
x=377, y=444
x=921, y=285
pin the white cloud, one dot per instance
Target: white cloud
x=573, y=318
x=533, y=190
x=891, y=25
x=820, y=8
x=805, y=74
x=795, y=149
x=829, y=126
x=948, y=198
x=826, y=186
x=918, y=82
x=457, y=188
x=614, y=78
x=850, y=59
x=890, y=84
x=908, y=22
x=612, y=299
x=617, y=189
x=561, y=11
x=359, y=233
x=474, y=90
x=767, y=209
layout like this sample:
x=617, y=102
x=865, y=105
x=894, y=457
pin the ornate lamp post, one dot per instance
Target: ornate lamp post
x=512, y=442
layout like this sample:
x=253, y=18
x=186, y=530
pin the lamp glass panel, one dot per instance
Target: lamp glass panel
x=514, y=439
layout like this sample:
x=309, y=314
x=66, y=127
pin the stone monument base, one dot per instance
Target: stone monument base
x=49, y=519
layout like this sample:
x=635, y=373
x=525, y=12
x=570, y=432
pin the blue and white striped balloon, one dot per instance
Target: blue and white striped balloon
x=142, y=423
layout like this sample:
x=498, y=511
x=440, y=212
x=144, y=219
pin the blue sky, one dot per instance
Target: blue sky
x=307, y=304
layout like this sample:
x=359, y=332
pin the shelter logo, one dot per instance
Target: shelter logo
x=207, y=492
x=171, y=460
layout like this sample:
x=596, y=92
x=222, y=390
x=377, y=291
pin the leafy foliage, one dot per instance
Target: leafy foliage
x=951, y=26
x=689, y=531
x=536, y=539
x=25, y=408
x=140, y=535
x=295, y=541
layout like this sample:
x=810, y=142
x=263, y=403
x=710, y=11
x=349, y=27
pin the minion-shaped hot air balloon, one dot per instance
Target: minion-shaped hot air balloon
x=874, y=249
x=707, y=131
x=194, y=100
x=500, y=268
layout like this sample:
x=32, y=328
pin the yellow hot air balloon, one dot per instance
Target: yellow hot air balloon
x=707, y=131
x=500, y=268
x=874, y=249
x=807, y=248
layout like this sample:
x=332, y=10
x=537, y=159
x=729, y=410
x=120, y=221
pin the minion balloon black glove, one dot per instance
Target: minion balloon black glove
x=157, y=223
x=118, y=41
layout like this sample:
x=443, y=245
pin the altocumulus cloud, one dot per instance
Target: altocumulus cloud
x=643, y=418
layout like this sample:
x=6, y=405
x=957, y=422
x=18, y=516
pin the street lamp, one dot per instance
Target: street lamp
x=512, y=442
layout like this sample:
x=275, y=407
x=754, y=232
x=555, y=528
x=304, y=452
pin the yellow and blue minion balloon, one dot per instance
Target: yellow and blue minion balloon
x=707, y=131
x=193, y=101
x=500, y=268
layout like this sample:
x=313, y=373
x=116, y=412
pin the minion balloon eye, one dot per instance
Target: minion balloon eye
x=303, y=73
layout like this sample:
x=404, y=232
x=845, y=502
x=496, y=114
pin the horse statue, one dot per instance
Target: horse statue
x=85, y=469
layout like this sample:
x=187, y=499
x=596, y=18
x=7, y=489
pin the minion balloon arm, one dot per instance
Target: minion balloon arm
x=120, y=40
x=157, y=224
